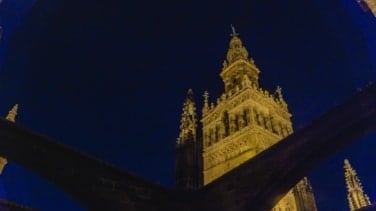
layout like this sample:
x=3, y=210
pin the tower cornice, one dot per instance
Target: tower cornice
x=250, y=63
x=259, y=97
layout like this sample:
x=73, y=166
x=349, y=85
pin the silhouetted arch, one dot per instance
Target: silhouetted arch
x=255, y=185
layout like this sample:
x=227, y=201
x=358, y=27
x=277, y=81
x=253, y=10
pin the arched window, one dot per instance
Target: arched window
x=236, y=121
x=246, y=116
x=216, y=133
x=226, y=123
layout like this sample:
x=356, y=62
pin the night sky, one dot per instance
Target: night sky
x=109, y=78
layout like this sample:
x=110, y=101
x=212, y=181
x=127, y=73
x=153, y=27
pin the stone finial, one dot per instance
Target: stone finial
x=206, y=97
x=205, y=108
x=10, y=117
x=224, y=65
x=279, y=96
x=12, y=114
x=278, y=91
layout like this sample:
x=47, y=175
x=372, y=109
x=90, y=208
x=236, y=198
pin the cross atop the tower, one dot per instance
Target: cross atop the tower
x=233, y=31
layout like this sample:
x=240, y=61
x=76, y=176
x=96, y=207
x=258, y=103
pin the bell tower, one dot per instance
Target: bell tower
x=245, y=120
x=242, y=122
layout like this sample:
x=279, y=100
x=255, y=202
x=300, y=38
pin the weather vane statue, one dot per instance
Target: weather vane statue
x=233, y=31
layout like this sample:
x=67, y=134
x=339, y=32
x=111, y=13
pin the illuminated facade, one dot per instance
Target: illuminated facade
x=10, y=117
x=244, y=121
x=356, y=196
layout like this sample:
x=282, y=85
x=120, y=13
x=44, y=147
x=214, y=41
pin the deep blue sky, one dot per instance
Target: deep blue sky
x=109, y=78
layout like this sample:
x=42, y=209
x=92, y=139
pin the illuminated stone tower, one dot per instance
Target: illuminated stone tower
x=357, y=198
x=10, y=117
x=244, y=121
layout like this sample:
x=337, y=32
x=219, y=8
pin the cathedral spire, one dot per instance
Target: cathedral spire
x=188, y=148
x=188, y=122
x=356, y=196
x=12, y=114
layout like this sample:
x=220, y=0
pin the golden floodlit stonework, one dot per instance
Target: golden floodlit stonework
x=245, y=120
x=356, y=196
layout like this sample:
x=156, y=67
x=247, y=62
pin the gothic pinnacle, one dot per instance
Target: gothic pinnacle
x=205, y=108
x=188, y=122
x=278, y=91
x=356, y=196
x=12, y=114
x=206, y=97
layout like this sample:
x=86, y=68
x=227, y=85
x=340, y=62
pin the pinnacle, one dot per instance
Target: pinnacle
x=346, y=162
x=356, y=196
x=189, y=92
x=190, y=95
x=12, y=114
x=236, y=49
